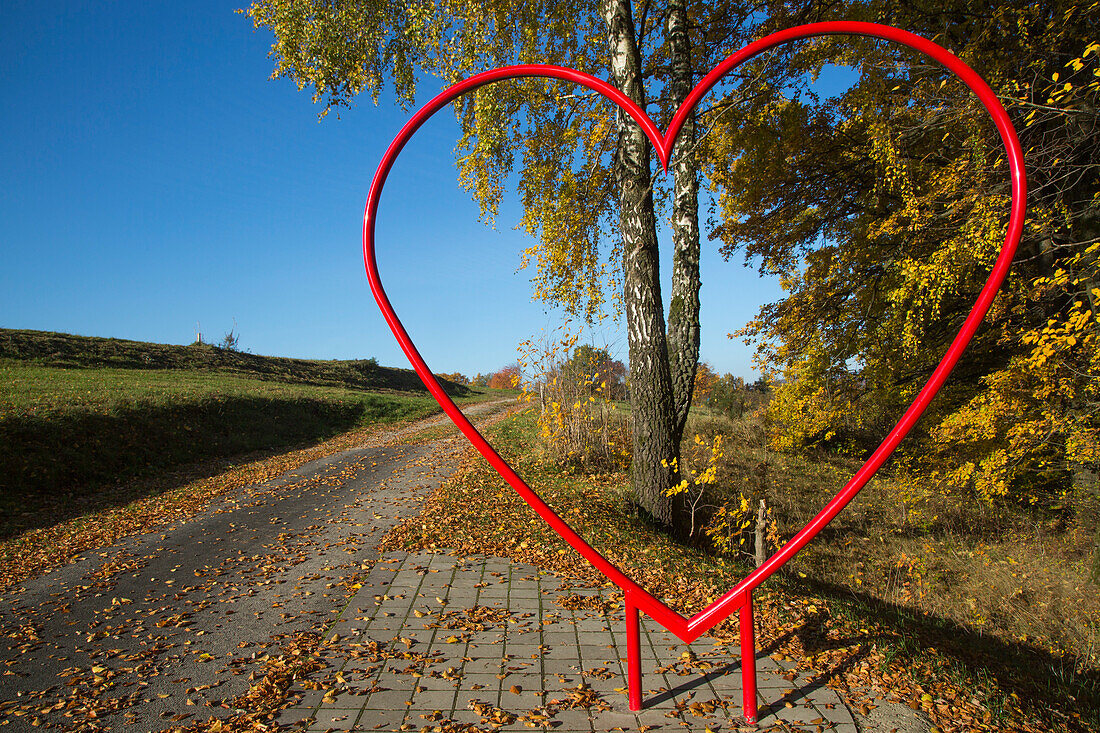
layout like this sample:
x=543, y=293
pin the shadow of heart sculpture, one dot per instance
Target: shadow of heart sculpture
x=739, y=598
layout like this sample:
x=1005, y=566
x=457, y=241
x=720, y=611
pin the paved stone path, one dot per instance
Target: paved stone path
x=435, y=642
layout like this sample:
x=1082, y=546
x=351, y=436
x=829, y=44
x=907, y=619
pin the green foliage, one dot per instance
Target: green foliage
x=595, y=372
x=730, y=395
x=561, y=138
x=231, y=341
x=342, y=49
x=582, y=168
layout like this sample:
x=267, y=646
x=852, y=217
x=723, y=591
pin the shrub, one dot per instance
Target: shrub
x=580, y=425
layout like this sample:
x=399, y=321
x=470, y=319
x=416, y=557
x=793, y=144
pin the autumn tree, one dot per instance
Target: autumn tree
x=590, y=196
x=730, y=395
x=507, y=378
x=594, y=368
x=457, y=378
x=883, y=209
x=705, y=380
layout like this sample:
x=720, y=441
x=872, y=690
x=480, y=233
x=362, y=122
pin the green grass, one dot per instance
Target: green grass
x=71, y=433
x=65, y=429
x=45, y=392
x=64, y=350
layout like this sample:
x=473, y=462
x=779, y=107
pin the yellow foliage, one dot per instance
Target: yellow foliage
x=579, y=422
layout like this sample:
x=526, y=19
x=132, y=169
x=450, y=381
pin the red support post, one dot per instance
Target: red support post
x=748, y=660
x=633, y=654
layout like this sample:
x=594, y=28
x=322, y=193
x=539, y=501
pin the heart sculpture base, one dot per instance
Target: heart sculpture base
x=748, y=656
x=739, y=598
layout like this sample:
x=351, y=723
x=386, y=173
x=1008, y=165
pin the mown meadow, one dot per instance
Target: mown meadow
x=90, y=428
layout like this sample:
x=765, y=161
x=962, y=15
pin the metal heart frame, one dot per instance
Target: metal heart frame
x=739, y=598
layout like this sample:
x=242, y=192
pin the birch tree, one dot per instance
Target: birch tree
x=590, y=195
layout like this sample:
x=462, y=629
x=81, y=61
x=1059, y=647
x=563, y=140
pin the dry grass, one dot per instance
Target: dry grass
x=999, y=572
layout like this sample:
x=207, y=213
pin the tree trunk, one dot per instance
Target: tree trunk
x=683, y=312
x=654, y=470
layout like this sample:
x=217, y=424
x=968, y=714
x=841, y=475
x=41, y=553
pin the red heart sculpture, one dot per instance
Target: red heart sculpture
x=738, y=598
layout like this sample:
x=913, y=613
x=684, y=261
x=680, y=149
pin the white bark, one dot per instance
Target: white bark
x=651, y=383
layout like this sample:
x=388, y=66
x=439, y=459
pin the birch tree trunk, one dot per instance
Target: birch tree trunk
x=655, y=446
x=683, y=312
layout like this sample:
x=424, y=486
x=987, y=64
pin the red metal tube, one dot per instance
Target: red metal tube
x=739, y=597
x=685, y=629
x=633, y=655
x=748, y=660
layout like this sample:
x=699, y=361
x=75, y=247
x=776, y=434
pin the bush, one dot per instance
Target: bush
x=580, y=425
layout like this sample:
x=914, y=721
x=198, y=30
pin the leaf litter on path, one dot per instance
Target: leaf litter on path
x=204, y=622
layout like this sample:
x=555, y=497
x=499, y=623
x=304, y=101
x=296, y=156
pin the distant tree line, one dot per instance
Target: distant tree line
x=729, y=394
x=507, y=378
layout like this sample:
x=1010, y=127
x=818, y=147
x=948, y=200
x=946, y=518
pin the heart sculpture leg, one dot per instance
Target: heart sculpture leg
x=748, y=659
x=739, y=598
x=633, y=654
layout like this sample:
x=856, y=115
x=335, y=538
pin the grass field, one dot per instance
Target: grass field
x=79, y=417
x=65, y=350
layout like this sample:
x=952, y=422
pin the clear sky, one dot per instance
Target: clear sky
x=155, y=181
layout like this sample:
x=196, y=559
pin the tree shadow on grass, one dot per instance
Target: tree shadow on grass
x=57, y=468
x=1048, y=683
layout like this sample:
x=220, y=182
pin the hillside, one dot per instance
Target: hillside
x=44, y=348
x=94, y=421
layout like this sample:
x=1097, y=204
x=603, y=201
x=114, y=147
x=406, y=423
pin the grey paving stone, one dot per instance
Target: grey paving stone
x=483, y=665
x=443, y=700
x=334, y=720
x=463, y=715
x=435, y=683
x=611, y=719
x=561, y=662
x=308, y=698
x=771, y=680
x=573, y=721
x=470, y=679
x=523, y=651
x=532, y=680
x=465, y=600
x=343, y=701
x=604, y=685
x=561, y=652
x=381, y=720
x=388, y=700
x=292, y=716
x=544, y=651
x=387, y=624
x=525, y=700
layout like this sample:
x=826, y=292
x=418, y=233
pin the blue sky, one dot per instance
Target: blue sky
x=154, y=179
